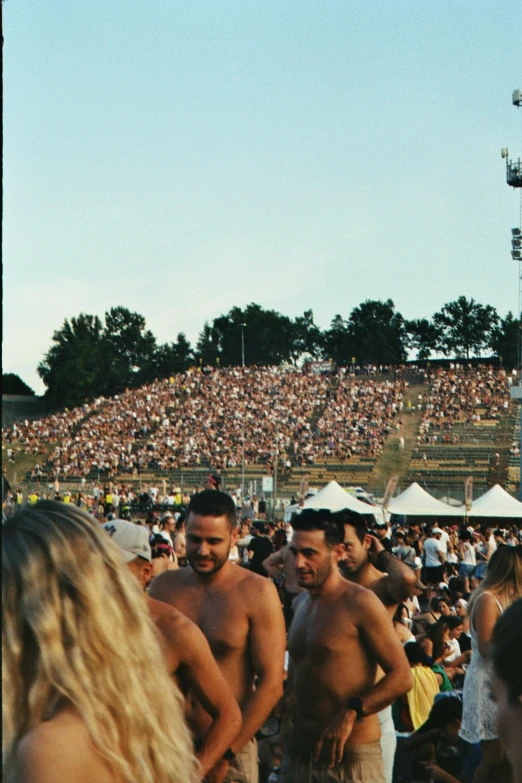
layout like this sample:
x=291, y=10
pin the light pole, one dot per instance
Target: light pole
x=242, y=325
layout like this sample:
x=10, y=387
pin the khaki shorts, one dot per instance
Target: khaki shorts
x=360, y=764
x=244, y=768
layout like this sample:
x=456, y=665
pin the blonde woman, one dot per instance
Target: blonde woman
x=500, y=587
x=86, y=694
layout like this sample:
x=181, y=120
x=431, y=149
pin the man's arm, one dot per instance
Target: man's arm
x=267, y=645
x=200, y=671
x=384, y=647
x=273, y=563
x=401, y=581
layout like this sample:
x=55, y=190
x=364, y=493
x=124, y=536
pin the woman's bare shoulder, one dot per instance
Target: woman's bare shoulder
x=61, y=749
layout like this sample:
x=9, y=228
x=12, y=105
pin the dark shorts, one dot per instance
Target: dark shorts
x=466, y=569
x=434, y=575
x=360, y=764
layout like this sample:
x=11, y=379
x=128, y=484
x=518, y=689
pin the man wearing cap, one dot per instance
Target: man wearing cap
x=240, y=614
x=187, y=654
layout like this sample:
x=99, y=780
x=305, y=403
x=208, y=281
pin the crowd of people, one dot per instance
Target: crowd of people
x=463, y=396
x=215, y=417
x=263, y=650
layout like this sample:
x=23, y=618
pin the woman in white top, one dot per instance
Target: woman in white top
x=500, y=587
x=468, y=559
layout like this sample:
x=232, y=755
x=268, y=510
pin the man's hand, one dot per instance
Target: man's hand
x=218, y=773
x=374, y=549
x=334, y=737
x=439, y=774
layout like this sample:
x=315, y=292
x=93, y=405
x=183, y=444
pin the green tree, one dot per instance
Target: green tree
x=129, y=348
x=13, y=384
x=268, y=337
x=377, y=333
x=336, y=342
x=207, y=348
x=424, y=336
x=74, y=367
x=466, y=327
x=505, y=338
x=308, y=339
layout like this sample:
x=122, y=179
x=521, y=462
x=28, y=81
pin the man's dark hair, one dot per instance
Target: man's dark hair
x=213, y=503
x=415, y=654
x=321, y=519
x=452, y=621
x=357, y=521
x=506, y=649
x=261, y=527
x=444, y=711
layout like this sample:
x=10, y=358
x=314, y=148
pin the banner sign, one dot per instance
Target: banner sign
x=468, y=492
x=303, y=488
x=268, y=484
x=390, y=489
x=318, y=367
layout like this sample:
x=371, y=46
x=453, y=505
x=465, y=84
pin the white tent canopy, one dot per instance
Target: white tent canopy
x=496, y=502
x=416, y=502
x=334, y=498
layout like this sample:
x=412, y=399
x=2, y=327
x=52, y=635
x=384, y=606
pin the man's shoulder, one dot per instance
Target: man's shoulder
x=169, y=580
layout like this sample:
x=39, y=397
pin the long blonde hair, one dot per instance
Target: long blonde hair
x=503, y=577
x=76, y=631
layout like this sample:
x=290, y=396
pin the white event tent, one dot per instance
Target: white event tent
x=496, y=502
x=416, y=502
x=334, y=498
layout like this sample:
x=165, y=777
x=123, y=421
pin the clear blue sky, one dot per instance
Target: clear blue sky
x=183, y=157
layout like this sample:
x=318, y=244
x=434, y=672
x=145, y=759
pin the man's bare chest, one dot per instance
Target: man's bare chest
x=222, y=618
x=319, y=635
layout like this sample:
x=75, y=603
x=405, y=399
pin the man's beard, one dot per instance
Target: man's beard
x=217, y=564
x=319, y=578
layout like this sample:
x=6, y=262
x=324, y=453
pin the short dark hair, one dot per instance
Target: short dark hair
x=321, y=519
x=506, y=649
x=415, y=654
x=444, y=711
x=357, y=521
x=453, y=621
x=213, y=503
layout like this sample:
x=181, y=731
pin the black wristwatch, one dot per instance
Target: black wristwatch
x=355, y=704
x=229, y=755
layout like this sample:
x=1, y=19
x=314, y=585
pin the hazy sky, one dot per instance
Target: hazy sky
x=183, y=157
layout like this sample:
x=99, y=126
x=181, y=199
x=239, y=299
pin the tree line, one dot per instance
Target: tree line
x=90, y=357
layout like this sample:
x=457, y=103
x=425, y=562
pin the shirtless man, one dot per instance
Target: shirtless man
x=239, y=613
x=280, y=566
x=340, y=634
x=393, y=582
x=187, y=654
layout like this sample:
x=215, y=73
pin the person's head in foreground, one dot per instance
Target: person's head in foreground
x=133, y=541
x=506, y=657
x=317, y=545
x=85, y=688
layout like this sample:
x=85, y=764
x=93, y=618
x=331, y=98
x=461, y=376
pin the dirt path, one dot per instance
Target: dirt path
x=393, y=460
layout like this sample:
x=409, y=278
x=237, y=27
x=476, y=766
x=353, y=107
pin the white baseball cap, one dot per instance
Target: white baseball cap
x=132, y=539
x=436, y=530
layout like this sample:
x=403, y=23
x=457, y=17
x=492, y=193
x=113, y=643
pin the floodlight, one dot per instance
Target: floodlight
x=516, y=232
x=517, y=98
x=504, y=152
x=517, y=255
